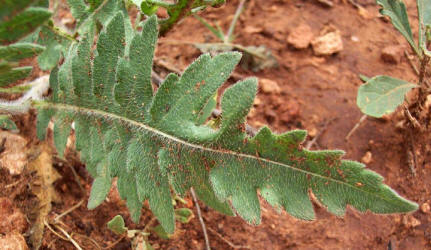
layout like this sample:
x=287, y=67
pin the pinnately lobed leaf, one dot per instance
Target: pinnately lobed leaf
x=154, y=141
x=381, y=95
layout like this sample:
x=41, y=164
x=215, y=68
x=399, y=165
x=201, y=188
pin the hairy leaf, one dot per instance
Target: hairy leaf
x=23, y=23
x=18, y=19
x=14, y=74
x=18, y=51
x=154, y=141
x=56, y=45
x=15, y=89
x=382, y=95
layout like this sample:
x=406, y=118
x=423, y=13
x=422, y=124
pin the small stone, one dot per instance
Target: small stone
x=257, y=101
x=410, y=221
x=425, y=208
x=249, y=29
x=400, y=125
x=13, y=241
x=269, y=31
x=328, y=43
x=269, y=86
x=392, y=54
x=367, y=158
x=300, y=37
x=11, y=218
x=354, y=39
x=312, y=132
x=14, y=157
x=428, y=101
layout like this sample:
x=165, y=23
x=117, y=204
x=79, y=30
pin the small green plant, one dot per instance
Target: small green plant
x=139, y=238
x=381, y=95
x=152, y=141
x=255, y=58
x=156, y=142
x=175, y=9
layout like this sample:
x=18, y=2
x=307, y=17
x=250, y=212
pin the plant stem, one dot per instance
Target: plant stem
x=59, y=32
x=423, y=69
x=423, y=86
x=238, y=11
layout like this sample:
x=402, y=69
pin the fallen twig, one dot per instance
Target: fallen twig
x=411, y=160
x=412, y=120
x=361, y=120
x=201, y=220
x=69, y=238
x=232, y=245
x=58, y=217
x=314, y=140
x=87, y=238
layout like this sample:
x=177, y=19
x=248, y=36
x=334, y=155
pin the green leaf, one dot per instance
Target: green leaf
x=382, y=95
x=17, y=19
x=424, y=16
x=18, y=51
x=183, y=215
x=7, y=123
x=206, y=111
x=396, y=10
x=117, y=225
x=427, y=13
x=15, y=89
x=14, y=74
x=10, y=8
x=161, y=232
x=154, y=141
x=23, y=23
x=56, y=45
x=79, y=10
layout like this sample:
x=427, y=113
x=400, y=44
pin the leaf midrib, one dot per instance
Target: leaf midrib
x=111, y=116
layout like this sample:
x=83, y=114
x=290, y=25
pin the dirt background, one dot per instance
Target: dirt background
x=315, y=93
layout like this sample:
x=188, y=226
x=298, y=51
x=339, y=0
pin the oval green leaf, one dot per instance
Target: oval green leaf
x=382, y=95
